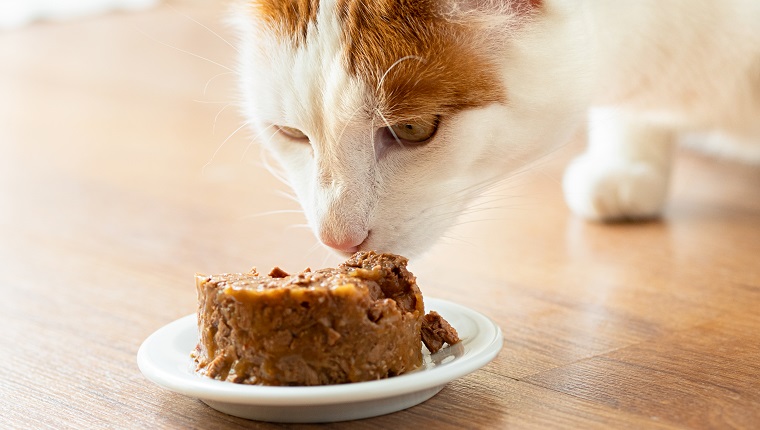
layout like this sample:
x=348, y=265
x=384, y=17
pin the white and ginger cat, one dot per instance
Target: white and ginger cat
x=389, y=116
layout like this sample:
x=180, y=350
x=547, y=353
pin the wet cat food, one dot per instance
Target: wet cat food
x=361, y=321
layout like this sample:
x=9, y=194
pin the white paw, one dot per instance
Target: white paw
x=614, y=191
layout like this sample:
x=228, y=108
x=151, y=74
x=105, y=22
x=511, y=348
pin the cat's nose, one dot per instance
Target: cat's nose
x=348, y=244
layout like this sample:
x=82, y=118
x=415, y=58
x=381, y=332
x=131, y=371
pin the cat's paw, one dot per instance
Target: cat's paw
x=615, y=191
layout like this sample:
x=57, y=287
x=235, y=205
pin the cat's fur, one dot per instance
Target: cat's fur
x=510, y=80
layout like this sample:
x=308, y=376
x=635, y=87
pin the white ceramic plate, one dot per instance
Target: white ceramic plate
x=164, y=358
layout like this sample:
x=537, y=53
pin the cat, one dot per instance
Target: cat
x=390, y=116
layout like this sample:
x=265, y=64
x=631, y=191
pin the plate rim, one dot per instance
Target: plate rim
x=223, y=391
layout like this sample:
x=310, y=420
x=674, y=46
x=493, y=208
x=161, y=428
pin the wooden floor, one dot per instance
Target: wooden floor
x=122, y=174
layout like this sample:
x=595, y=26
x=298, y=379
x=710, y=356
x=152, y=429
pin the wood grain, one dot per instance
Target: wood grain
x=122, y=174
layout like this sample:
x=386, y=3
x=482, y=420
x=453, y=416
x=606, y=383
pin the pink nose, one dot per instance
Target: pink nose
x=347, y=244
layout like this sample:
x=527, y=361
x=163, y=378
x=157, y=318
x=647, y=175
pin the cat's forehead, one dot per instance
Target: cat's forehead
x=289, y=18
x=411, y=56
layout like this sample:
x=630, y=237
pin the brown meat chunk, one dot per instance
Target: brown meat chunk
x=276, y=272
x=436, y=331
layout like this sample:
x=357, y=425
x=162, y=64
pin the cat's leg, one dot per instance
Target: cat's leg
x=624, y=173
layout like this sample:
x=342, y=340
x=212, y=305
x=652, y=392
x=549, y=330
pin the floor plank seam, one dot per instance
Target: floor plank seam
x=501, y=376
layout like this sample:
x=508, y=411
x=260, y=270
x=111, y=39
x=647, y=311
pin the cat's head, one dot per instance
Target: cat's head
x=389, y=116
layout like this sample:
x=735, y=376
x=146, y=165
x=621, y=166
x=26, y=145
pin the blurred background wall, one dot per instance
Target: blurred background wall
x=17, y=13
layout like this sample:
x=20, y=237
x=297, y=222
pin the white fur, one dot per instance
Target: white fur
x=655, y=69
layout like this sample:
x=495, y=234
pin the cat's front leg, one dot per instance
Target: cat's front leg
x=624, y=173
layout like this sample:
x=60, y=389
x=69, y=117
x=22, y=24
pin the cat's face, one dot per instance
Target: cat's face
x=389, y=116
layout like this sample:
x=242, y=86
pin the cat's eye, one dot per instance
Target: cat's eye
x=416, y=131
x=292, y=133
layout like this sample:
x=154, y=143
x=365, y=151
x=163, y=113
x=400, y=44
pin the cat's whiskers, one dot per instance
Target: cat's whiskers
x=466, y=193
x=464, y=198
x=213, y=156
x=247, y=148
x=270, y=213
x=293, y=226
x=444, y=217
x=255, y=138
x=184, y=51
x=457, y=240
x=216, y=117
x=457, y=214
x=390, y=128
x=272, y=170
x=286, y=195
x=392, y=66
x=480, y=189
x=529, y=166
x=328, y=255
x=317, y=246
x=228, y=70
x=211, y=79
x=313, y=248
x=211, y=102
x=484, y=206
x=483, y=202
x=206, y=28
x=479, y=220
